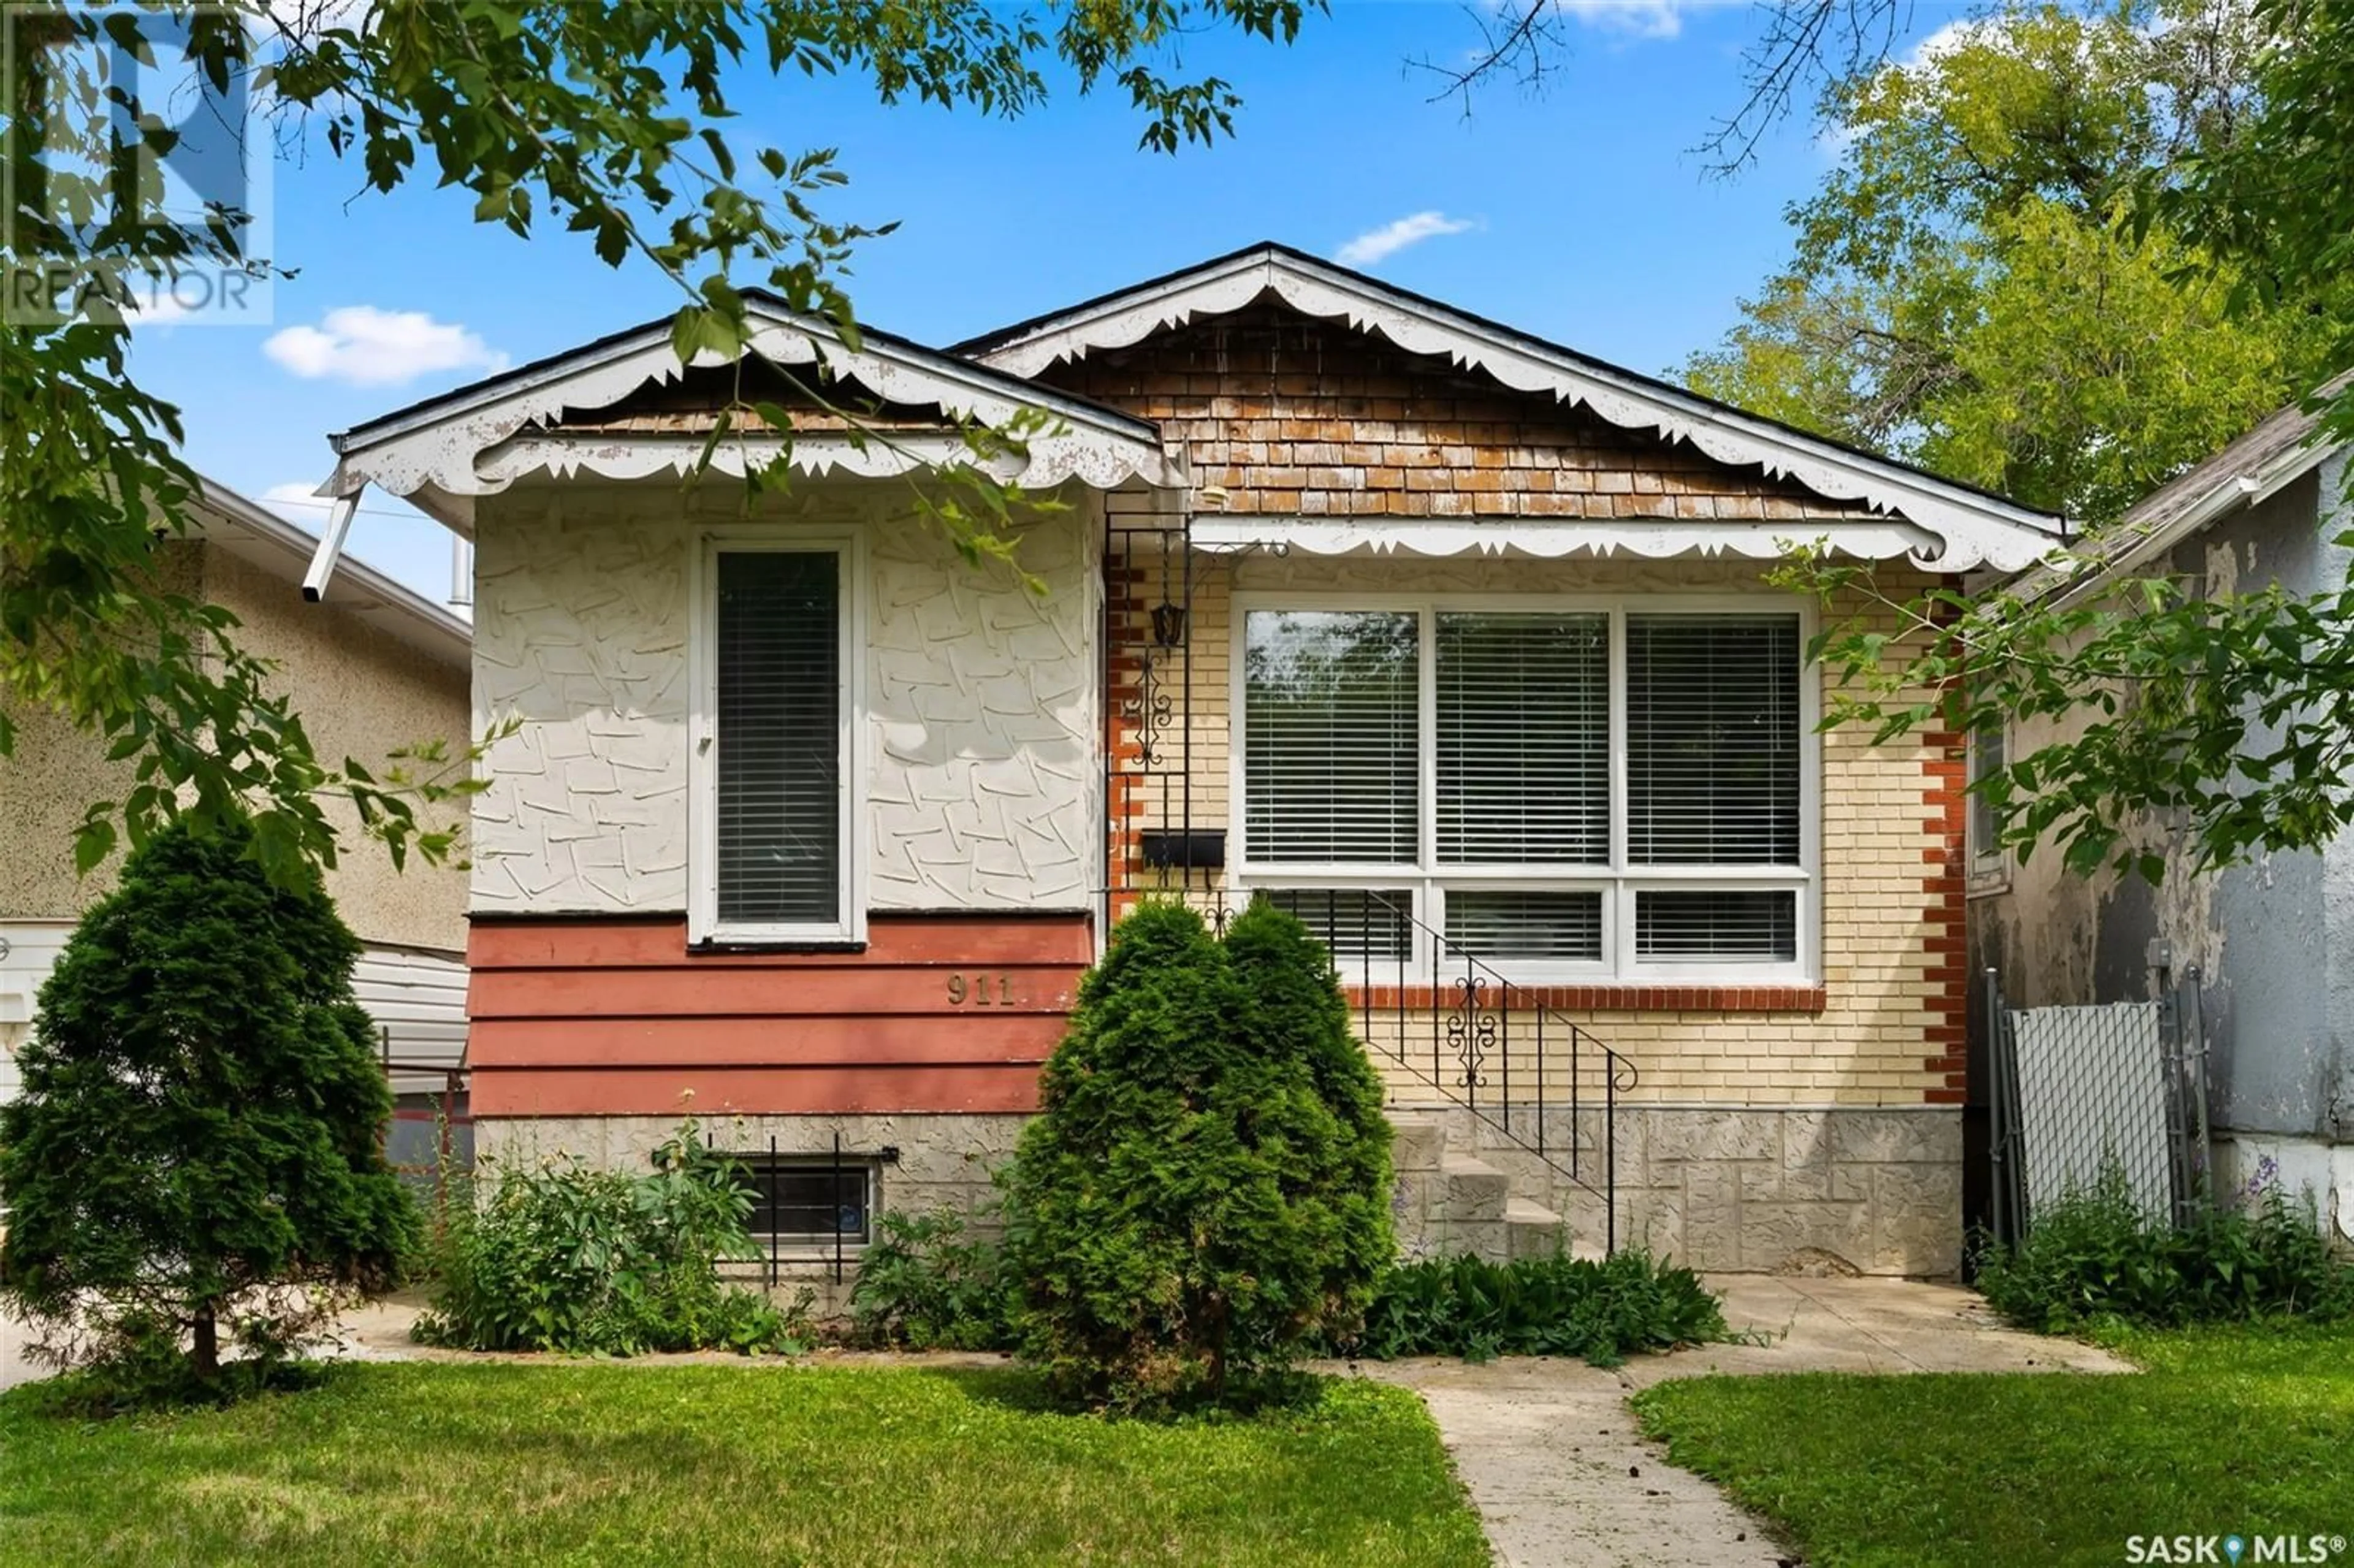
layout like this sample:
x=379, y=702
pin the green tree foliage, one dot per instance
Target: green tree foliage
x=1209, y=1183
x=1965, y=295
x=2276, y=200
x=2072, y=256
x=197, y=1143
x=620, y=122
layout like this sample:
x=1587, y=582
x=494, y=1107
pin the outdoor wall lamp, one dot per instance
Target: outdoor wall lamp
x=1168, y=625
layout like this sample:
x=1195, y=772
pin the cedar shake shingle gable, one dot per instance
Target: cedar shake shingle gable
x=1293, y=416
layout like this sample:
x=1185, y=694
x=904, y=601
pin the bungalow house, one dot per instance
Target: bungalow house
x=1452, y=639
x=376, y=667
x=2272, y=941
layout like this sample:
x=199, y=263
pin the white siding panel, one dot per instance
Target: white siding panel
x=417, y=994
x=417, y=998
x=31, y=952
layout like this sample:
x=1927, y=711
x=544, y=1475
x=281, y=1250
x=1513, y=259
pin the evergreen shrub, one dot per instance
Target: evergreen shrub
x=1207, y=1187
x=195, y=1162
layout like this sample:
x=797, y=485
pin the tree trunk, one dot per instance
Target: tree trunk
x=206, y=1351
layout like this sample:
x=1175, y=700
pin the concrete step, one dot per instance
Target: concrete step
x=1470, y=1191
x=1531, y=1230
x=1416, y=1145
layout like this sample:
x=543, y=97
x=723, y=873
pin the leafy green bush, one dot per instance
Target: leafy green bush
x=567, y=1257
x=928, y=1284
x=1208, y=1184
x=194, y=1167
x=1602, y=1311
x=2095, y=1255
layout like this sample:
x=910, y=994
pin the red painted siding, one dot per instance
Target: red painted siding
x=597, y=1017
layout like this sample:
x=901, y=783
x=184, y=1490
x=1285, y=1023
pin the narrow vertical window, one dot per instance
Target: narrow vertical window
x=1987, y=749
x=778, y=679
x=1712, y=738
x=1713, y=731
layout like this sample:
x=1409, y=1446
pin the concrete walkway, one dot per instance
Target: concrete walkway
x=1560, y=1476
x=15, y=1365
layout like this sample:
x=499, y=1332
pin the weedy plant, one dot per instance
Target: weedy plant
x=926, y=1283
x=2097, y=1255
x=565, y=1256
x=1599, y=1310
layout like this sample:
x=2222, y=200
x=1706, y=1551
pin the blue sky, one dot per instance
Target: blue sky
x=1581, y=215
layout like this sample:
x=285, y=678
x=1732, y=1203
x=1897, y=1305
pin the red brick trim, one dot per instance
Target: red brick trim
x=1603, y=998
x=1942, y=962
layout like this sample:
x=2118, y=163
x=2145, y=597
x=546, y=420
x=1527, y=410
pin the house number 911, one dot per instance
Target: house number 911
x=976, y=991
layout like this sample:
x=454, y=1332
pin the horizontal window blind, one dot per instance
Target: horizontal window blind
x=1523, y=735
x=1355, y=923
x=1510, y=924
x=1716, y=925
x=1330, y=752
x=779, y=740
x=1712, y=740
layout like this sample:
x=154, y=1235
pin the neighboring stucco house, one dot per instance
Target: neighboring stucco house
x=374, y=667
x=2273, y=940
x=1451, y=638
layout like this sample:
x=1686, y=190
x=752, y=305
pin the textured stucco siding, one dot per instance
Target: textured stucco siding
x=360, y=693
x=2273, y=940
x=979, y=700
x=1888, y=1030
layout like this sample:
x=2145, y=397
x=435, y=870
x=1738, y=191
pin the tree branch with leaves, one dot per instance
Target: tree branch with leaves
x=619, y=120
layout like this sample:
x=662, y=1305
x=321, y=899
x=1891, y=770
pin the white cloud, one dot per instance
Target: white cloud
x=369, y=347
x=1944, y=41
x=1390, y=238
x=298, y=502
x=1637, y=18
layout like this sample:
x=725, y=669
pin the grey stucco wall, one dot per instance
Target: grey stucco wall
x=360, y=693
x=2274, y=939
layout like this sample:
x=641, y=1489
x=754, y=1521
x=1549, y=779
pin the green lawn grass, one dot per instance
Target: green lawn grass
x=2241, y=1431
x=757, y=1465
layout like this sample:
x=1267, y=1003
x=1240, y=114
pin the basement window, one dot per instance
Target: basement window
x=801, y=1202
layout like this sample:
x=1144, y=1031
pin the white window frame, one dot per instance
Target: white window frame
x=703, y=926
x=1989, y=864
x=1620, y=881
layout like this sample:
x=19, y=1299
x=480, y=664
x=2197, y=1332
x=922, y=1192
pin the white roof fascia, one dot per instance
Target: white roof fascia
x=255, y=534
x=1549, y=538
x=2232, y=493
x=431, y=455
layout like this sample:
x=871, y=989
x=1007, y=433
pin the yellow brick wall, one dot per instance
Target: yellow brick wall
x=1887, y=1028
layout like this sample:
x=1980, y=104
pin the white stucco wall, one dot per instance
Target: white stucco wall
x=982, y=783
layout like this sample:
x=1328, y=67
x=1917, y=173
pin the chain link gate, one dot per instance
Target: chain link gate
x=2082, y=1093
